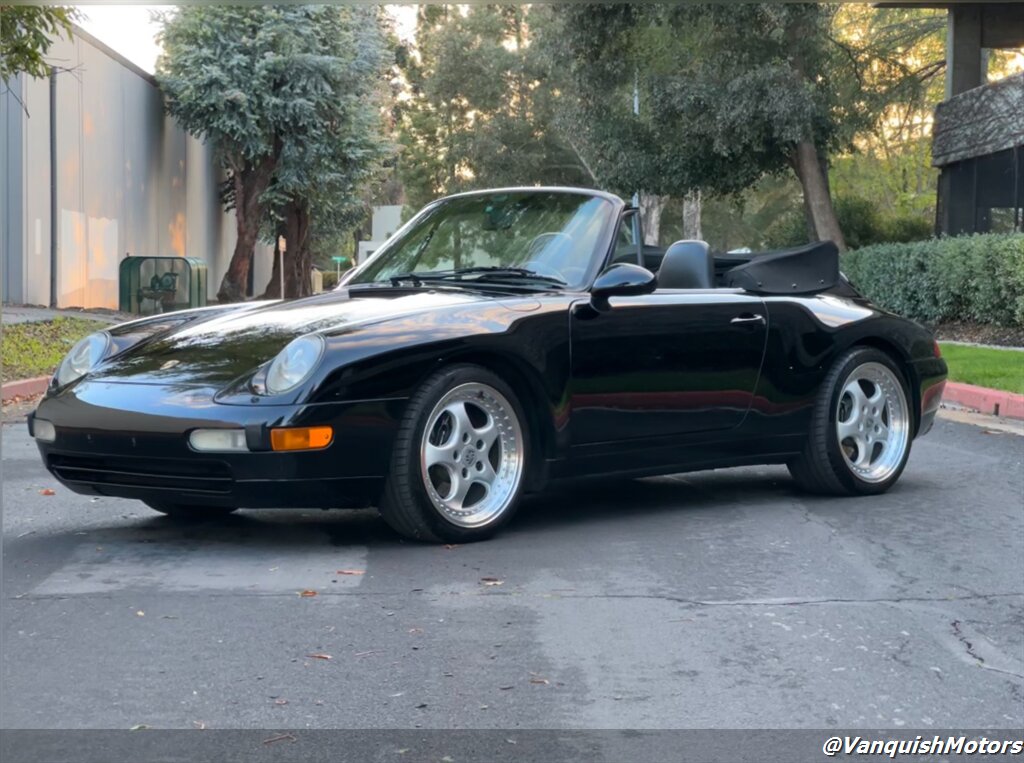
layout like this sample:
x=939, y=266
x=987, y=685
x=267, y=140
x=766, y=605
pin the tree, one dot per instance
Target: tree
x=481, y=105
x=316, y=195
x=615, y=59
x=734, y=92
x=26, y=33
x=270, y=87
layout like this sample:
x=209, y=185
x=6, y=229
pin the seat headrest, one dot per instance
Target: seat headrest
x=687, y=265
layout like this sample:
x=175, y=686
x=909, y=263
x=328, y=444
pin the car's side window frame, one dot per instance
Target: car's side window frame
x=631, y=215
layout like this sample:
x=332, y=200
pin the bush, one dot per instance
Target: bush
x=330, y=279
x=861, y=221
x=977, y=278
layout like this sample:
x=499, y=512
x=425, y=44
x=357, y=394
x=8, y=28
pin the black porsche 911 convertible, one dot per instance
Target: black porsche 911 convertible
x=500, y=340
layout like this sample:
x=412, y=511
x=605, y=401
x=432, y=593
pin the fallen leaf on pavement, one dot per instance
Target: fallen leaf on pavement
x=491, y=581
x=318, y=656
x=539, y=680
x=47, y=491
x=307, y=593
x=280, y=702
x=351, y=572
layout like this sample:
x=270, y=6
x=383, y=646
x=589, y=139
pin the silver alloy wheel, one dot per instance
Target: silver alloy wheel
x=873, y=422
x=471, y=455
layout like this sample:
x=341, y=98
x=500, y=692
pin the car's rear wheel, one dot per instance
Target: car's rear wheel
x=459, y=460
x=861, y=428
x=190, y=512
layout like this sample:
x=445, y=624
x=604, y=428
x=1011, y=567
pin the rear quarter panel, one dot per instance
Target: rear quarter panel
x=805, y=337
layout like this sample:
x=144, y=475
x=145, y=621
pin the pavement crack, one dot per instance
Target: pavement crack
x=792, y=602
x=810, y=601
x=972, y=652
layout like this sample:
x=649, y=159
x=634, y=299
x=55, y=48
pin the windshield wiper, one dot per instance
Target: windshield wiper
x=499, y=271
x=415, y=279
x=490, y=272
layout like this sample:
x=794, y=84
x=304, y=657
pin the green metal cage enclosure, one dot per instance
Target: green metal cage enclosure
x=152, y=285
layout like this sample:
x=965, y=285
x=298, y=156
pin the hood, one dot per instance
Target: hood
x=219, y=350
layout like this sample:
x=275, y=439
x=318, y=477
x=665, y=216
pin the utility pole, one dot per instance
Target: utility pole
x=636, y=113
x=638, y=228
x=282, y=246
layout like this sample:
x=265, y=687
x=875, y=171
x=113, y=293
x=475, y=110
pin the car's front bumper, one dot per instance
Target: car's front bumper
x=131, y=441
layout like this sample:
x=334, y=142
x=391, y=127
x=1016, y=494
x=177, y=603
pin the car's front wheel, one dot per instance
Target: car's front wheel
x=459, y=460
x=189, y=511
x=861, y=428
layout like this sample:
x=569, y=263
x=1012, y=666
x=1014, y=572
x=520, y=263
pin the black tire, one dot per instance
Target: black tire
x=191, y=512
x=405, y=504
x=821, y=467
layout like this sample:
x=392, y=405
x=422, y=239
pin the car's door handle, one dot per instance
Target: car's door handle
x=748, y=318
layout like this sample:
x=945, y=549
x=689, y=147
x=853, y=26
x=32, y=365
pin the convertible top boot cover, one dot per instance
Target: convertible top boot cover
x=802, y=270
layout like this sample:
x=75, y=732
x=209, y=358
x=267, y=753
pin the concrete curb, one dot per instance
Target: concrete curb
x=991, y=401
x=24, y=388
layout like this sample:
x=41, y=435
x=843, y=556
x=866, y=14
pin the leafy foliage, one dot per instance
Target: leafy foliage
x=862, y=221
x=968, y=278
x=287, y=95
x=481, y=106
x=728, y=92
x=26, y=33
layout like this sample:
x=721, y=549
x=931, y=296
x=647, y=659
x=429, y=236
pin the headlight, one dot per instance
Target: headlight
x=83, y=357
x=294, y=363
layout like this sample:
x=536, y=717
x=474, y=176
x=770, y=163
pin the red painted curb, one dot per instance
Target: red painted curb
x=992, y=401
x=25, y=388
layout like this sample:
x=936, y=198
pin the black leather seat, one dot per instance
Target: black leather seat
x=687, y=265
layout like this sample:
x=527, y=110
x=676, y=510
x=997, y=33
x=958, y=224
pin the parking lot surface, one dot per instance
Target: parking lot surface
x=720, y=599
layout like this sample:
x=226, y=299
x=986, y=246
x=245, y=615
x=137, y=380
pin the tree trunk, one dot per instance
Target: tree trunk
x=651, y=207
x=298, y=259
x=691, y=216
x=250, y=182
x=817, y=200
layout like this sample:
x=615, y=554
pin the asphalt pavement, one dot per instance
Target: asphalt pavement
x=721, y=599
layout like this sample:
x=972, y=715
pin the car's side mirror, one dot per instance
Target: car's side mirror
x=621, y=280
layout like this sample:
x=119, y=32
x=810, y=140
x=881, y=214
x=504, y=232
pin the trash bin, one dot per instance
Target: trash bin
x=152, y=285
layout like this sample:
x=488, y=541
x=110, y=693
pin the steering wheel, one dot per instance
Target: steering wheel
x=541, y=241
x=539, y=244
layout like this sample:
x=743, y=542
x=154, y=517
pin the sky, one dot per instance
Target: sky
x=130, y=29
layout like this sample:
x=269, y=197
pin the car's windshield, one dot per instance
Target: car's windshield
x=542, y=238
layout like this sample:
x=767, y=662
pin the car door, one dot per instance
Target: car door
x=665, y=364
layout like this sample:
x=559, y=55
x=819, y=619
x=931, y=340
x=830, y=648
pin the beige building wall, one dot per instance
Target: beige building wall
x=129, y=181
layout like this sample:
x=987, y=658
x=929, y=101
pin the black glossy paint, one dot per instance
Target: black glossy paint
x=643, y=383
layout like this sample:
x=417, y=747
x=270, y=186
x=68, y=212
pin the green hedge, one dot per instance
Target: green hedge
x=976, y=278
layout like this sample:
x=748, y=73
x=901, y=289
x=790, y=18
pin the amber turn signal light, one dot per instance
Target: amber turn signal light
x=301, y=438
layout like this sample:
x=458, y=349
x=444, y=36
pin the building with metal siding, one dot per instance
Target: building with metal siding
x=93, y=171
x=978, y=138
